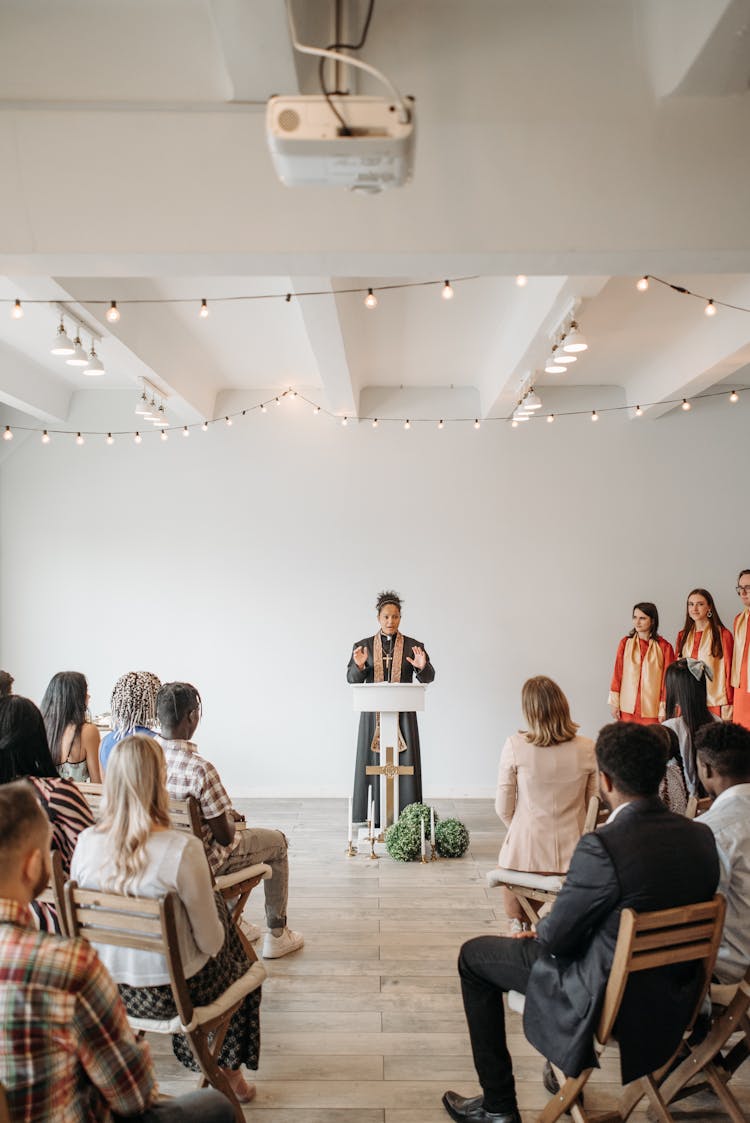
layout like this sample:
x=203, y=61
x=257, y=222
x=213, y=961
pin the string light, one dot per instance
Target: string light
x=514, y=423
x=79, y=439
x=686, y=405
x=447, y=291
x=371, y=301
x=374, y=422
x=204, y=426
x=441, y=424
x=109, y=439
x=550, y=418
x=734, y=397
x=642, y=285
x=316, y=410
x=8, y=434
x=522, y=280
x=638, y=411
x=263, y=407
x=292, y=393
x=164, y=435
x=17, y=311
x=185, y=431
x=345, y=421
x=113, y=312
x=278, y=401
x=407, y=424
x=288, y=297
x=228, y=420
x=137, y=438
x=594, y=415
x=204, y=313
x=476, y=422
x=710, y=309
x=45, y=437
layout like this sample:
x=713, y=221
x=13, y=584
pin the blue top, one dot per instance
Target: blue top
x=113, y=738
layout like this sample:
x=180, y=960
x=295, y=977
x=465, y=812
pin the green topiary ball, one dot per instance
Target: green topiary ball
x=402, y=840
x=413, y=812
x=451, y=838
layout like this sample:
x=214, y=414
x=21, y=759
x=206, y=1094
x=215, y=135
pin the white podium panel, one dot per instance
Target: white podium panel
x=388, y=699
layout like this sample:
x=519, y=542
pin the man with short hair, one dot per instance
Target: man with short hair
x=723, y=750
x=66, y=1050
x=644, y=858
x=178, y=708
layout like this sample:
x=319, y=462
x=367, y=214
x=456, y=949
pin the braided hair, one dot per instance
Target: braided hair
x=388, y=596
x=133, y=701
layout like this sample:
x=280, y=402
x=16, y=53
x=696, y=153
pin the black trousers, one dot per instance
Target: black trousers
x=490, y=966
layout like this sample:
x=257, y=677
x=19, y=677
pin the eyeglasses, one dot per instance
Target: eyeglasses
x=743, y=589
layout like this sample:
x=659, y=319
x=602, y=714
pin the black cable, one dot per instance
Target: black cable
x=345, y=130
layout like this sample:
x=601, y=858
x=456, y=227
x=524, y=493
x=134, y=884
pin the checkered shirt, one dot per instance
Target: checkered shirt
x=188, y=773
x=67, y=1052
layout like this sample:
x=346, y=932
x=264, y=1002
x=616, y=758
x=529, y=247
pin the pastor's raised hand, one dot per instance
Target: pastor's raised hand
x=360, y=657
x=419, y=659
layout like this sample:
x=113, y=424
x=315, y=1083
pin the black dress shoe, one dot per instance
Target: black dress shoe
x=473, y=1110
x=552, y=1084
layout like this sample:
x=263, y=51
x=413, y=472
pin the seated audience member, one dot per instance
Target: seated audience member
x=24, y=752
x=546, y=777
x=687, y=711
x=672, y=789
x=190, y=774
x=133, y=850
x=6, y=684
x=133, y=710
x=724, y=769
x=644, y=857
x=73, y=741
x=66, y=1049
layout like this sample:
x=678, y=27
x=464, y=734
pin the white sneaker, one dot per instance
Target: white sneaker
x=515, y=927
x=250, y=931
x=276, y=946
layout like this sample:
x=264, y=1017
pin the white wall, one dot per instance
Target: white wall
x=247, y=560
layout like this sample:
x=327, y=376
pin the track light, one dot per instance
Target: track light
x=447, y=291
x=371, y=301
x=553, y=366
x=62, y=344
x=204, y=310
x=16, y=311
x=532, y=400
x=710, y=309
x=79, y=358
x=94, y=366
x=642, y=285
x=113, y=313
x=564, y=357
x=575, y=340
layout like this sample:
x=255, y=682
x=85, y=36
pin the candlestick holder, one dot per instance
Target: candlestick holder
x=350, y=850
x=433, y=852
x=371, y=840
x=423, y=860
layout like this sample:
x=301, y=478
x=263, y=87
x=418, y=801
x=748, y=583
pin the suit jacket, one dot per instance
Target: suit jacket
x=647, y=858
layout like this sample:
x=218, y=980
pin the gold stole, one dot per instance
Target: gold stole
x=648, y=675
x=740, y=635
x=377, y=658
x=716, y=691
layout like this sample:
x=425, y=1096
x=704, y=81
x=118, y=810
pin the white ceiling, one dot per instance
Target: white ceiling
x=582, y=143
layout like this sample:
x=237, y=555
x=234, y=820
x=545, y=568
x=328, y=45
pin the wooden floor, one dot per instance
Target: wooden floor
x=365, y=1023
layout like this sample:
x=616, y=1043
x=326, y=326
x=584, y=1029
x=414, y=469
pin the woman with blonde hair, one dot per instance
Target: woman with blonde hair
x=547, y=775
x=133, y=850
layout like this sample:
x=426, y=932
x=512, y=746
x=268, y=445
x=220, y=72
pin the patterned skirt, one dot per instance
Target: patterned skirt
x=242, y=1042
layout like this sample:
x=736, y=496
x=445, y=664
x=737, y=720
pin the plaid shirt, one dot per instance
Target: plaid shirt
x=188, y=773
x=67, y=1052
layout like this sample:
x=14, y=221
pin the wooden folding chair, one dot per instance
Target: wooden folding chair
x=4, y=1109
x=148, y=924
x=92, y=793
x=696, y=806
x=691, y=933
x=597, y=814
x=699, y=1070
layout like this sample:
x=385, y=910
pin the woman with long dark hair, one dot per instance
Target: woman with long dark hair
x=73, y=741
x=704, y=637
x=636, y=692
x=687, y=711
x=24, y=754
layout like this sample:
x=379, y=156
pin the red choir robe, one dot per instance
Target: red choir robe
x=637, y=687
x=739, y=668
x=719, y=690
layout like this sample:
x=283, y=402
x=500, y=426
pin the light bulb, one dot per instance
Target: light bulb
x=288, y=298
x=109, y=439
x=447, y=291
x=204, y=426
x=79, y=439
x=550, y=418
x=137, y=438
x=407, y=424
x=476, y=422
x=371, y=301
x=113, y=313
x=17, y=311
x=594, y=415
x=316, y=410
x=8, y=434
x=164, y=435
x=228, y=421
x=278, y=401
x=185, y=431
x=344, y=420
x=734, y=396
x=686, y=405
x=45, y=437
x=642, y=285
x=263, y=407
x=441, y=424
x=514, y=423
x=375, y=423
x=710, y=308
x=292, y=393
x=204, y=310
x=638, y=411
x=522, y=280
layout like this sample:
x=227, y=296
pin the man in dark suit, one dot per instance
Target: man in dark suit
x=643, y=858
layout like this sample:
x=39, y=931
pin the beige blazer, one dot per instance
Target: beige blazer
x=542, y=795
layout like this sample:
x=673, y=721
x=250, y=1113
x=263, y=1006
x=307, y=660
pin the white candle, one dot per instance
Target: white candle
x=421, y=834
x=369, y=803
x=432, y=825
x=349, y=818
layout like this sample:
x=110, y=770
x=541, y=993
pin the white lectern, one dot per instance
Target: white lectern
x=389, y=699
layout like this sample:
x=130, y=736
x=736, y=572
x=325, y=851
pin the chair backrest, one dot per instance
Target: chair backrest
x=690, y=933
x=597, y=813
x=92, y=793
x=696, y=806
x=184, y=813
x=4, y=1109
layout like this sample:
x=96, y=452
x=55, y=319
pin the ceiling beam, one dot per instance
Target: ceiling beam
x=696, y=49
x=256, y=53
x=322, y=322
x=28, y=387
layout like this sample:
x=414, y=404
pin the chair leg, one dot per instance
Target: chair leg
x=570, y=1089
x=729, y=1103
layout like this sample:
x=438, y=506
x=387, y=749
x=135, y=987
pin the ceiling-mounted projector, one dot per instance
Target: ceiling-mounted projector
x=310, y=147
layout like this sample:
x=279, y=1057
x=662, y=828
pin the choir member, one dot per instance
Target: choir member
x=741, y=655
x=704, y=637
x=637, y=690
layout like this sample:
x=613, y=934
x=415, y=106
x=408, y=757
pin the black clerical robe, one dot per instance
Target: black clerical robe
x=410, y=787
